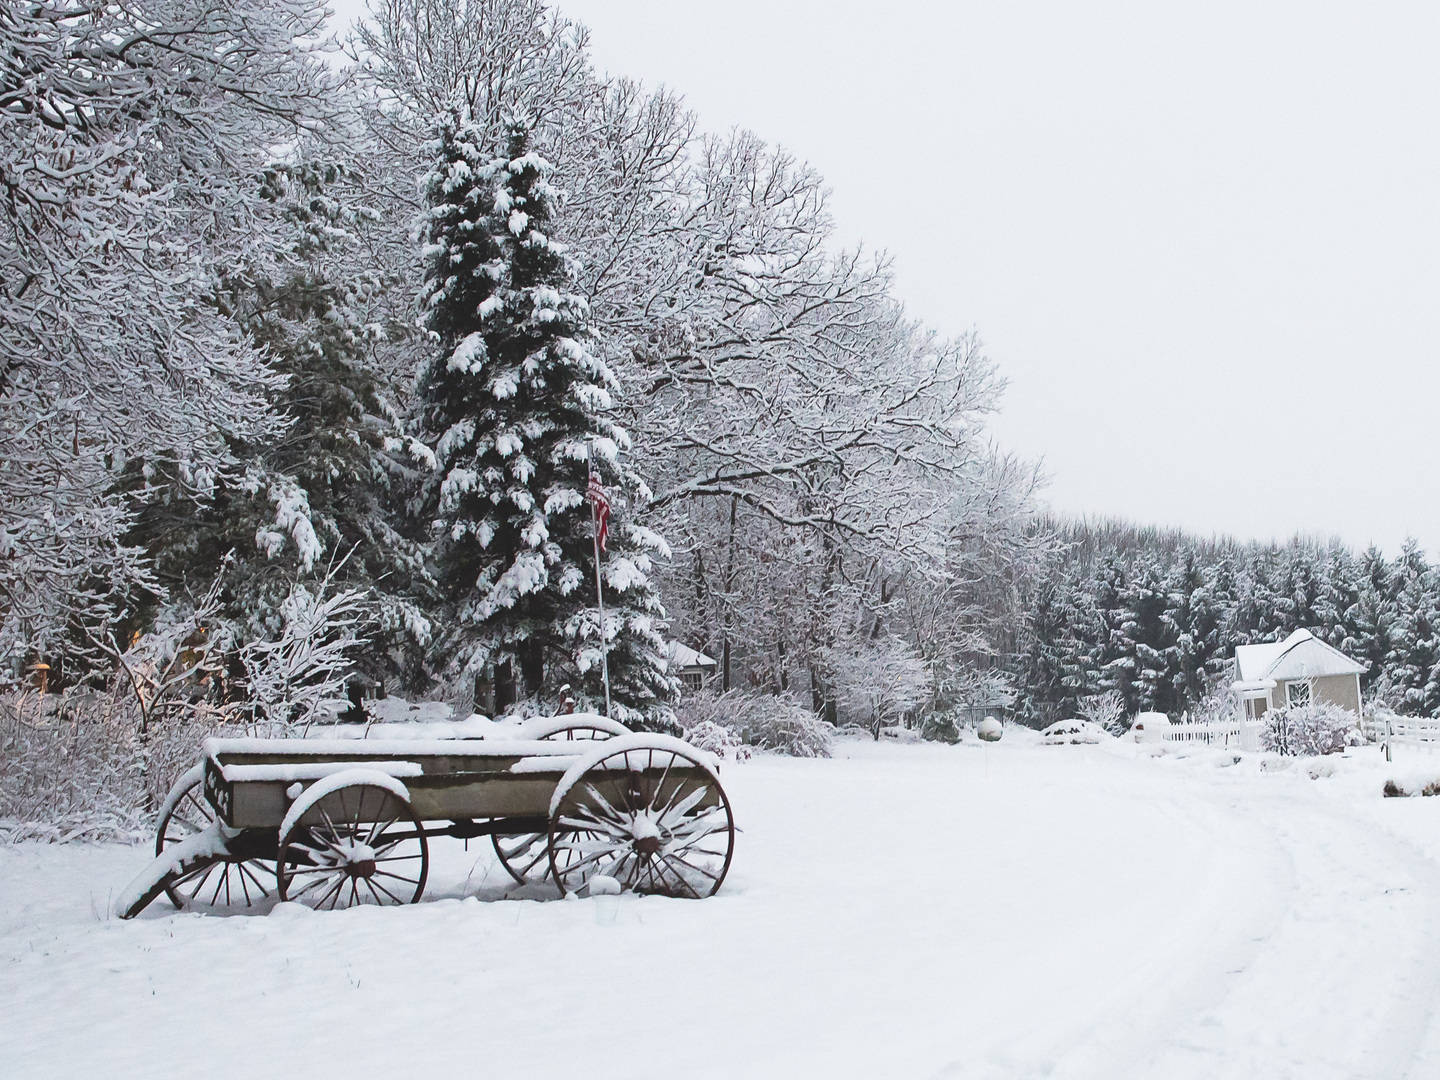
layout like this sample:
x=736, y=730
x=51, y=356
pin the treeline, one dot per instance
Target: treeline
x=243, y=405
x=1156, y=615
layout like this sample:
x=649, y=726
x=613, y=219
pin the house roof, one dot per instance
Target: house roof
x=1300, y=656
x=682, y=656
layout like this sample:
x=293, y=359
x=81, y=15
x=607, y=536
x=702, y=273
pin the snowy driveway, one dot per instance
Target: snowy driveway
x=899, y=911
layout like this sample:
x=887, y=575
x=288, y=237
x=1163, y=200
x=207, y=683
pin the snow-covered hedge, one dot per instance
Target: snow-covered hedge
x=77, y=768
x=1320, y=728
x=765, y=721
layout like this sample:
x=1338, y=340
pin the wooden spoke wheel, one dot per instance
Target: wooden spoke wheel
x=653, y=819
x=526, y=856
x=360, y=843
x=582, y=728
x=237, y=881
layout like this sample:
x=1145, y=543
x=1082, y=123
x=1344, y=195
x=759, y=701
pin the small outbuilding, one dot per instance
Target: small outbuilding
x=1297, y=671
x=694, y=668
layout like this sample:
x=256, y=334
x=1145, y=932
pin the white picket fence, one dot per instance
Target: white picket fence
x=1214, y=733
x=1390, y=730
x=1387, y=730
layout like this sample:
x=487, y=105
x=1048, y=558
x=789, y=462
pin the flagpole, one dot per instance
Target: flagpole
x=599, y=591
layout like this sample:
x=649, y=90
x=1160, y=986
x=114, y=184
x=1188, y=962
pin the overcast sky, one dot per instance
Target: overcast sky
x=1202, y=242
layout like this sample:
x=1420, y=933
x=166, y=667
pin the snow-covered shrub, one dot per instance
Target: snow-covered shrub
x=765, y=721
x=1318, y=728
x=291, y=678
x=1071, y=731
x=1106, y=711
x=787, y=728
x=1425, y=782
x=941, y=726
x=1221, y=702
x=717, y=739
x=79, y=767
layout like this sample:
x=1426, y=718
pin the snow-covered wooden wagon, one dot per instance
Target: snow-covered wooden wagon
x=576, y=800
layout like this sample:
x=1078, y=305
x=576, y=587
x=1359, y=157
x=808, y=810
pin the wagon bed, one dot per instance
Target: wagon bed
x=576, y=801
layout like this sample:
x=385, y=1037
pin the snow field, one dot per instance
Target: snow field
x=1008, y=911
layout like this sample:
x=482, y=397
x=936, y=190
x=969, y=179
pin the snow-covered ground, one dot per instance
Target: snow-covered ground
x=898, y=911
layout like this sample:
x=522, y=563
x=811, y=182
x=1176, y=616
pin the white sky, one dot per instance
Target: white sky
x=1202, y=242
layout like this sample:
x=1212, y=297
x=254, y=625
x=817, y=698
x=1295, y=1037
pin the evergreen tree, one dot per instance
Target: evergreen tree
x=1148, y=634
x=1109, y=650
x=1047, y=659
x=1415, y=633
x=514, y=406
x=1370, y=619
x=1257, y=610
x=1195, y=616
x=320, y=495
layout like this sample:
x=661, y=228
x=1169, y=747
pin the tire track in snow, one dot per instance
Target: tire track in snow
x=1309, y=952
x=1214, y=922
x=1345, y=986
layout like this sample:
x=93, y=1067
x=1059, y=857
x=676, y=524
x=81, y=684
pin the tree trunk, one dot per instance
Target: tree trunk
x=504, y=686
x=532, y=669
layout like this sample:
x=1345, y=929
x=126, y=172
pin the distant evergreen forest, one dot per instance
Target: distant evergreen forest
x=1156, y=615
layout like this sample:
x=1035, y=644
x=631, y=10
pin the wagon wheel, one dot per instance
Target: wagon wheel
x=233, y=882
x=649, y=815
x=351, y=844
x=526, y=856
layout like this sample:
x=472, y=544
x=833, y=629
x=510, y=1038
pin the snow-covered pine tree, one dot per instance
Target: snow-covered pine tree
x=318, y=501
x=1149, y=635
x=514, y=407
x=1045, y=658
x=1413, y=663
x=1107, y=653
x=1372, y=616
x=1194, y=621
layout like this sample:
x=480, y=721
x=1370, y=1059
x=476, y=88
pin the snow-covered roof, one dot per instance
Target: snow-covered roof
x=1300, y=656
x=1259, y=688
x=682, y=656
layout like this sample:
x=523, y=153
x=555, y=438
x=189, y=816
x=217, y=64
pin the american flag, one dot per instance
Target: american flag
x=595, y=492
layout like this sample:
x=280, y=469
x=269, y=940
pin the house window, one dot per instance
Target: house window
x=691, y=680
x=1297, y=693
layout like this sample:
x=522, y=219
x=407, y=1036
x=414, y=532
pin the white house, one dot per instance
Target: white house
x=693, y=667
x=1296, y=671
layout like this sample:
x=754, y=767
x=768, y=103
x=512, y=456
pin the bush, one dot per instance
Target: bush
x=1315, y=729
x=715, y=738
x=766, y=721
x=78, y=768
x=940, y=726
x=1074, y=731
x=1105, y=711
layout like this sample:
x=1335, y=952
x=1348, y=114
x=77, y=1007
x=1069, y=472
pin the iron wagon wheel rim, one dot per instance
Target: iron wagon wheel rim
x=397, y=839
x=527, y=859
x=600, y=841
x=246, y=882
